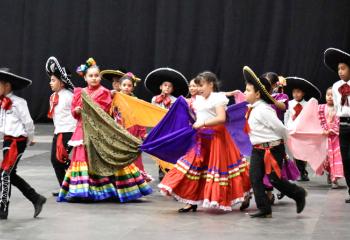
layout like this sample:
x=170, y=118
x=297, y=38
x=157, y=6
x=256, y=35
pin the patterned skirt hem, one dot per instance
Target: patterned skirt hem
x=206, y=203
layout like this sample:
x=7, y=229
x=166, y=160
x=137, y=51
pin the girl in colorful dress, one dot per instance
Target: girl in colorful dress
x=213, y=173
x=79, y=184
x=330, y=123
x=193, y=91
x=127, y=85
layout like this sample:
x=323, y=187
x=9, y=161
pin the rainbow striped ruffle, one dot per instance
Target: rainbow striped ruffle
x=127, y=184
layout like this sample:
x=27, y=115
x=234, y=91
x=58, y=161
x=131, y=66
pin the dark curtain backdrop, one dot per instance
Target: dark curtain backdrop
x=287, y=37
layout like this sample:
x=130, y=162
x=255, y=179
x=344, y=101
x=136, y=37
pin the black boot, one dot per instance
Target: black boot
x=4, y=211
x=261, y=214
x=38, y=205
x=300, y=200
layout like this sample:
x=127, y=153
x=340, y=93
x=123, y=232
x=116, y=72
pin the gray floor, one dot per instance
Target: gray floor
x=154, y=217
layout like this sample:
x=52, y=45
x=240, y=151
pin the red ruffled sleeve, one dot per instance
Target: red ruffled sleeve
x=76, y=102
x=103, y=98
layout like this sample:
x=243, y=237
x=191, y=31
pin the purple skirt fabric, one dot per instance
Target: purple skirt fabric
x=235, y=121
x=289, y=172
x=174, y=136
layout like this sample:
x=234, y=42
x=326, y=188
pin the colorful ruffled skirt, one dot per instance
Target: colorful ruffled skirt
x=125, y=185
x=213, y=173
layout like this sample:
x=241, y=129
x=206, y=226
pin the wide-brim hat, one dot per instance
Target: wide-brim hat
x=109, y=74
x=155, y=78
x=17, y=82
x=307, y=87
x=334, y=56
x=53, y=67
x=262, y=84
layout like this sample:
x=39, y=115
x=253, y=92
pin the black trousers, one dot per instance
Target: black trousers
x=257, y=173
x=60, y=168
x=344, y=141
x=301, y=165
x=10, y=177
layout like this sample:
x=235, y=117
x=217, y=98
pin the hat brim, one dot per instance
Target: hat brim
x=53, y=67
x=155, y=78
x=251, y=78
x=17, y=82
x=310, y=90
x=110, y=74
x=334, y=56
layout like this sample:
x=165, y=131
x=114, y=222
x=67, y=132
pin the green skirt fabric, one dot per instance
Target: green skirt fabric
x=109, y=146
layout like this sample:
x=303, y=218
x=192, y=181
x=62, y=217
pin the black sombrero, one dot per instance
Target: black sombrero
x=155, y=78
x=109, y=74
x=53, y=67
x=309, y=89
x=334, y=56
x=260, y=83
x=17, y=82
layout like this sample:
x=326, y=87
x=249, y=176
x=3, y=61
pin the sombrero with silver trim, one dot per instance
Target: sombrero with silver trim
x=17, y=82
x=53, y=67
x=310, y=90
x=155, y=78
x=262, y=84
x=334, y=56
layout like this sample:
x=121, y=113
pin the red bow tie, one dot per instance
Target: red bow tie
x=344, y=90
x=5, y=103
x=53, y=102
x=297, y=108
x=163, y=99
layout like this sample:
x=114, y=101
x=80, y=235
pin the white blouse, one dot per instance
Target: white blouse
x=205, y=108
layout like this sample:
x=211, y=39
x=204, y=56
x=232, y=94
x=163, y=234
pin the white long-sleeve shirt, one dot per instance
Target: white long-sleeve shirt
x=17, y=121
x=264, y=124
x=288, y=116
x=62, y=115
x=341, y=111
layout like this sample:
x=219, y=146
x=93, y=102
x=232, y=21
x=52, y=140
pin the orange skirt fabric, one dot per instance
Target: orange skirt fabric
x=213, y=173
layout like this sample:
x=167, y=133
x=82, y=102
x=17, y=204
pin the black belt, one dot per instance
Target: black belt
x=345, y=119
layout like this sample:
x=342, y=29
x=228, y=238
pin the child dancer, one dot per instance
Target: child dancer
x=166, y=84
x=193, y=91
x=17, y=127
x=113, y=76
x=79, y=184
x=127, y=85
x=213, y=173
x=301, y=90
x=339, y=61
x=267, y=134
x=330, y=123
x=60, y=104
